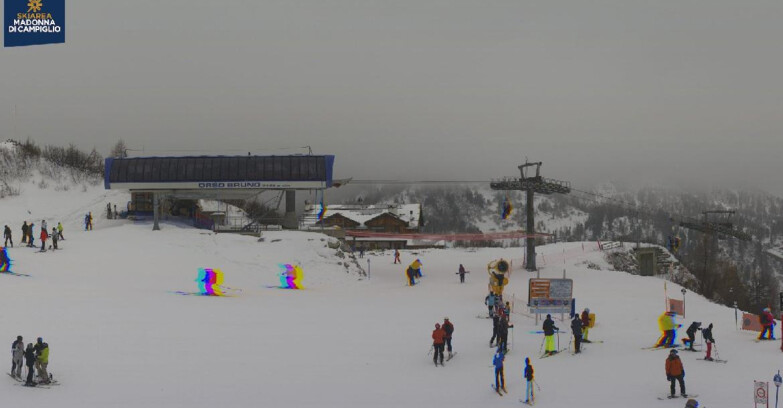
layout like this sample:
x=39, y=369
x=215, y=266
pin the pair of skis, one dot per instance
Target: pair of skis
x=668, y=397
x=545, y=355
x=497, y=390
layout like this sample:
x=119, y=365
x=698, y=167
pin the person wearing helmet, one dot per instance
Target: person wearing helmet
x=448, y=328
x=768, y=321
x=438, y=339
x=585, y=324
x=675, y=372
x=692, y=403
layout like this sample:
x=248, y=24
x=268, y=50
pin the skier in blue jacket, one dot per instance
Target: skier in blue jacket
x=500, y=380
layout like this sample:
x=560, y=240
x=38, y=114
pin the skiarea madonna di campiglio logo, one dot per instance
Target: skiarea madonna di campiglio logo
x=31, y=22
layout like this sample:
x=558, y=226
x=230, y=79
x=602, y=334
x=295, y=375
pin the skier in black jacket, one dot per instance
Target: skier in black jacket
x=449, y=329
x=503, y=334
x=576, y=328
x=7, y=236
x=549, y=331
x=495, y=326
x=25, y=229
x=30, y=358
x=707, y=334
x=691, y=332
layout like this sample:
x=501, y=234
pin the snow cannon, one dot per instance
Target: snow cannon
x=498, y=270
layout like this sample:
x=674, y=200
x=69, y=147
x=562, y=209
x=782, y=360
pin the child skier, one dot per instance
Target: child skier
x=675, y=372
x=528, y=374
x=707, y=334
x=500, y=380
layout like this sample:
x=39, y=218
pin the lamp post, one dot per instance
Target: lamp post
x=683, y=302
x=778, y=380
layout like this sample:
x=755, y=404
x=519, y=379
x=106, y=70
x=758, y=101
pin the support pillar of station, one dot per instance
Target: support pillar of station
x=289, y=219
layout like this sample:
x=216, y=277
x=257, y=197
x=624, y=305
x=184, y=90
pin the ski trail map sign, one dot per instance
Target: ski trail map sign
x=550, y=295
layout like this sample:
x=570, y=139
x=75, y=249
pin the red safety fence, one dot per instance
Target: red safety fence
x=446, y=237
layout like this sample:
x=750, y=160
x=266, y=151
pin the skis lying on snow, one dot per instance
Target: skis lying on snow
x=678, y=396
x=714, y=360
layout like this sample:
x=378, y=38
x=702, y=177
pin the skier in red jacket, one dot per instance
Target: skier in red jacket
x=768, y=321
x=438, y=341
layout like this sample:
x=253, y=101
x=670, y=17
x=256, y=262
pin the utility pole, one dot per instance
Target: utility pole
x=531, y=185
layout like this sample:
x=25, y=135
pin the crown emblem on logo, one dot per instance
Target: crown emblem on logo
x=35, y=5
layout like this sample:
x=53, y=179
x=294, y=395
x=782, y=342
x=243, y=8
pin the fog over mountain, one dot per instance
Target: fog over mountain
x=645, y=93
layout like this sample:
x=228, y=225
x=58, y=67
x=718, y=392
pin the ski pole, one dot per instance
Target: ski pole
x=542, y=345
x=536, y=383
x=431, y=348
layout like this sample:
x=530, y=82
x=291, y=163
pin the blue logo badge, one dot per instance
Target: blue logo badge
x=31, y=22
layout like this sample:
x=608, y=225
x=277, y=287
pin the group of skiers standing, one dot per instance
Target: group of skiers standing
x=35, y=356
x=27, y=235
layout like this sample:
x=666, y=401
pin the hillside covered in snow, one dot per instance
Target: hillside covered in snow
x=355, y=336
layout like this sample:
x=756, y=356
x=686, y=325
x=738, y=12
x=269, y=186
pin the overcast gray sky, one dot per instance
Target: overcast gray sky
x=632, y=91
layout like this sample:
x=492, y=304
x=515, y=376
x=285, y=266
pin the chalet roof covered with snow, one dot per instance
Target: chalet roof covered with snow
x=409, y=213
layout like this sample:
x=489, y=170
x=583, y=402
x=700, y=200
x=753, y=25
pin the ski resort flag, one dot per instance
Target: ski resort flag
x=33, y=22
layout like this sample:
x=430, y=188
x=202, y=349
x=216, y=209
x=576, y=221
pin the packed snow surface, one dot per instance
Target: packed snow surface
x=120, y=337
